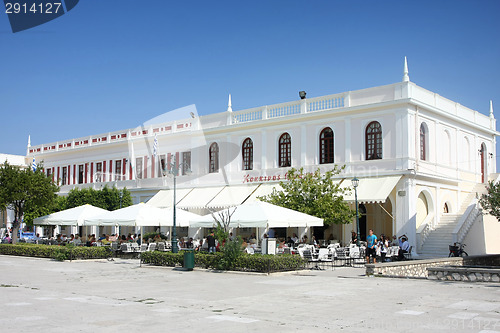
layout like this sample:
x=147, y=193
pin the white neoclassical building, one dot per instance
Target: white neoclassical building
x=421, y=159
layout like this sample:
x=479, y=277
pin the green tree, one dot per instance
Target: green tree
x=314, y=194
x=33, y=211
x=21, y=188
x=491, y=200
x=106, y=198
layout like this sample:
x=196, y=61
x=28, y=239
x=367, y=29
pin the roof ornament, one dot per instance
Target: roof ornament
x=491, y=109
x=406, y=77
x=229, y=105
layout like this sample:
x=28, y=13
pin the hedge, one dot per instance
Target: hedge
x=245, y=262
x=55, y=252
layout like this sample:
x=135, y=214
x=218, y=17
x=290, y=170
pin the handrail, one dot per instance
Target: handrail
x=466, y=221
x=424, y=230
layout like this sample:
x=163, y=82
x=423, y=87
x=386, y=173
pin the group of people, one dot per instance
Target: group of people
x=376, y=247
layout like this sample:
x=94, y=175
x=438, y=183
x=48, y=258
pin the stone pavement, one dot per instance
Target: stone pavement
x=41, y=295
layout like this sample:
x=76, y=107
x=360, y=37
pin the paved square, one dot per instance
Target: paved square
x=41, y=295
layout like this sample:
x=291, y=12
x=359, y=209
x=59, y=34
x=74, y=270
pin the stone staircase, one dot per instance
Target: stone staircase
x=437, y=242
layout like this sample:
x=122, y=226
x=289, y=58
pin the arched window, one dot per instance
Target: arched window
x=214, y=158
x=326, y=146
x=247, y=154
x=285, y=151
x=446, y=209
x=423, y=142
x=374, y=141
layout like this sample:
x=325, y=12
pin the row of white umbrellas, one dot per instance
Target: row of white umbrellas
x=249, y=215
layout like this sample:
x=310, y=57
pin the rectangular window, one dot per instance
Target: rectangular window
x=98, y=172
x=118, y=170
x=49, y=172
x=162, y=166
x=80, y=174
x=64, y=175
x=138, y=167
x=186, y=162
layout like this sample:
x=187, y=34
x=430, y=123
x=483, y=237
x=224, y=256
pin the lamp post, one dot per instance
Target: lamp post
x=355, y=183
x=174, y=171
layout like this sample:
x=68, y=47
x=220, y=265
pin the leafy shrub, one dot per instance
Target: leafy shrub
x=56, y=252
x=231, y=251
x=152, y=235
x=243, y=262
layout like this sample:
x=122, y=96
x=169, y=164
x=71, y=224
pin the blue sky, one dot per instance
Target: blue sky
x=112, y=64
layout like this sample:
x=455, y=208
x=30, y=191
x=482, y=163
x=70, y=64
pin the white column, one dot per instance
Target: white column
x=303, y=146
x=264, y=151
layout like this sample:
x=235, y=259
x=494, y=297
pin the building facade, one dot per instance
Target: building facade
x=420, y=158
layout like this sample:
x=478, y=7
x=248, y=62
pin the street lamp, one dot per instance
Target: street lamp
x=355, y=184
x=174, y=171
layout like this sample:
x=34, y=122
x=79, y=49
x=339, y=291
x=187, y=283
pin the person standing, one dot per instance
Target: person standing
x=371, y=241
x=383, y=246
x=211, y=243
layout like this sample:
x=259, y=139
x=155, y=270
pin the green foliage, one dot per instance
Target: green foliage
x=152, y=235
x=56, y=252
x=491, y=201
x=243, y=262
x=106, y=198
x=231, y=251
x=31, y=212
x=23, y=188
x=314, y=194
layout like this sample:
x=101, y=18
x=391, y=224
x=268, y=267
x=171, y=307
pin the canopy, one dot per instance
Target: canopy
x=141, y=215
x=260, y=214
x=232, y=196
x=165, y=198
x=374, y=189
x=72, y=216
x=199, y=197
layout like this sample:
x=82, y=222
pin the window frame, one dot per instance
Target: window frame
x=285, y=150
x=247, y=154
x=373, y=141
x=213, y=158
x=326, y=146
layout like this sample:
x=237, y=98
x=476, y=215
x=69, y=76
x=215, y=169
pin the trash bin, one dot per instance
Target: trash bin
x=189, y=260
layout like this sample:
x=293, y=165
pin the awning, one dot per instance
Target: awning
x=371, y=190
x=263, y=190
x=72, y=216
x=260, y=214
x=200, y=197
x=232, y=196
x=165, y=198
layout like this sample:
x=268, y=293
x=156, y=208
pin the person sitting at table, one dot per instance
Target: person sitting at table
x=103, y=236
x=314, y=242
x=199, y=246
x=59, y=240
x=106, y=240
x=295, y=239
x=189, y=243
x=71, y=238
x=64, y=238
x=7, y=239
x=304, y=239
x=130, y=239
x=289, y=242
x=76, y=241
x=181, y=244
x=404, y=246
x=354, y=237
